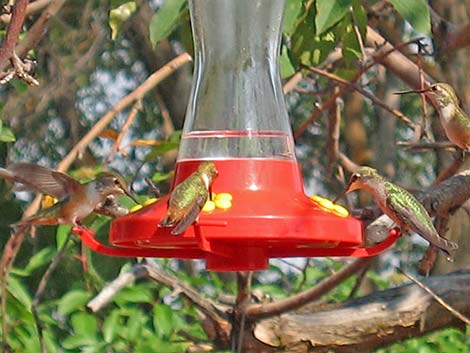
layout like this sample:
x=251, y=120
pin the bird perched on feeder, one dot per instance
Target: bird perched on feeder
x=454, y=120
x=188, y=198
x=75, y=200
x=401, y=206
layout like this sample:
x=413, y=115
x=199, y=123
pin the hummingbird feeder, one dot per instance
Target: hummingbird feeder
x=237, y=118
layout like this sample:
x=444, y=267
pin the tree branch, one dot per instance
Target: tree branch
x=371, y=322
x=13, y=31
x=259, y=311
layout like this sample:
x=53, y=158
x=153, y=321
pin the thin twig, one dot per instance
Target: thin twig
x=292, y=83
x=242, y=299
x=420, y=284
x=260, y=311
x=136, y=94
x=206, y=305
x=125, y=127
x=18, y=14
x=417, y=146
x=40, y=291
x=34, y=7
x=378, y=58
x=372, y=97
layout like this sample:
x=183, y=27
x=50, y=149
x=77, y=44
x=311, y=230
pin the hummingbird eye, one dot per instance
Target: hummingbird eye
x=434, y=88
x=354, y=177
x=116, y=181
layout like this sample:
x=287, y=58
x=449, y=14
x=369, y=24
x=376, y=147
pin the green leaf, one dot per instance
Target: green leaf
x=111, y=326
x=40, y=259
x=165, y=20
x=329, y=13
x=73, y=301
x=84, y=324
x=416, y=12
x=18, y=291
x=163, y=320
x=287, y=69
x=161, y=150
x=6, y=134
x=119, y=15
x=61, y=235
x=291, y=14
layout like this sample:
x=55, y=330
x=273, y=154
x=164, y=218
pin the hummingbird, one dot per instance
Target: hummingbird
x=75, y=200
x=398, y=204
x=188, y=198
x=454, y=120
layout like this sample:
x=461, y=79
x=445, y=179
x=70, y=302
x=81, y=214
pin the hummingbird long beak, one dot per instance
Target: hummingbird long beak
x=414, y=91
x=342, y=193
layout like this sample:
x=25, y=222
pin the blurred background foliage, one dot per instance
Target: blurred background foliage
x=94, y=53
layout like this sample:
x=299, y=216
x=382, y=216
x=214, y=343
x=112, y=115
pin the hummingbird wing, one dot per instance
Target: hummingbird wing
x=40, y=179
x=412, y=215
x=191, y=215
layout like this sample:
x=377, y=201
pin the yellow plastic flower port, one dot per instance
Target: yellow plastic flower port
x=150, y=201
x=135, y=208
x=329, y=206
x=222, y=200
x=209, y=206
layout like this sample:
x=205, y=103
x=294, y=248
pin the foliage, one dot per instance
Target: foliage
x=146, y=316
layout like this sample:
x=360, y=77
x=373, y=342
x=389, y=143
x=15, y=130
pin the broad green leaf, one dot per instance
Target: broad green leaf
x=165, y=20
x=291, y=14
x=19, y=292
x=61, y=235
x=287, y=69
x=360, y=17
x=111, y=326
x=158, y=176
x=73, y=301
x=329, y=13
x=416, y=12
x=40, y=259
x=161, y=150
x=84, y=324
x=119, y=15
x=79, y=341
x=163, y=320
x=6, y=135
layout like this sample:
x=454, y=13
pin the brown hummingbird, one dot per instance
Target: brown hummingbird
x=400, y=205
x=75, y=200
x=188, y=198
x=454, y=120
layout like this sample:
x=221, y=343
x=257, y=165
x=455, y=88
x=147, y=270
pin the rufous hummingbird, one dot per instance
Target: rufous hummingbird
x=188, y=198
x=400, y=205
x=454, y=120
x=75, y=200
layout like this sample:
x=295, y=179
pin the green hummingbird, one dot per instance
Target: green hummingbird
x=75, y=200
x=454, y=120
x=400, y=205
x=188, y=198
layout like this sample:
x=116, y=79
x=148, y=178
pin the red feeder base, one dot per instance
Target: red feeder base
x=270, y=217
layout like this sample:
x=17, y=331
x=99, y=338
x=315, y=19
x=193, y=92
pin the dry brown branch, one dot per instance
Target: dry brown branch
x=207, y=306
x=293, y=81
x=369, y=95
x=37, y=30
x=13, y=31
x=125, y=127
x=334, y=123
x=441, y=301
x=367, y=323
x=425, y=146
x=379, y=57
x=32, y=8
x=135, y=95
x=259, y=311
